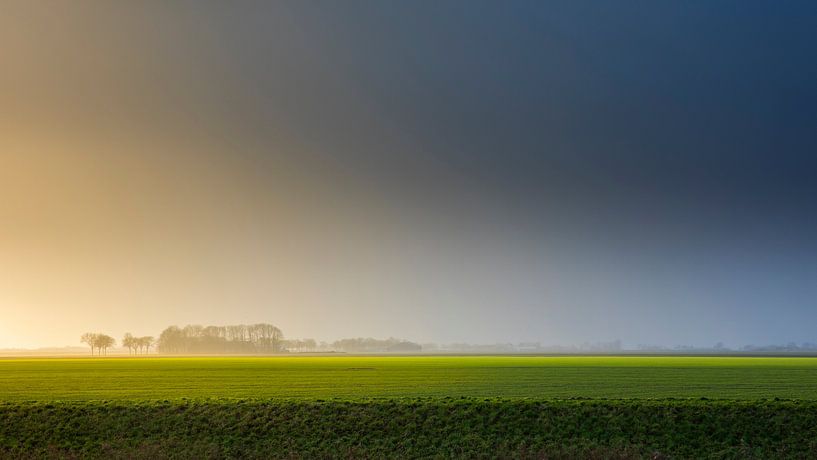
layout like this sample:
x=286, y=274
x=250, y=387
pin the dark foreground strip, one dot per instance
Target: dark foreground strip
x=428, y=428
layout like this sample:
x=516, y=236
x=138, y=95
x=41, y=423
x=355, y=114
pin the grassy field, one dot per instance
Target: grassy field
x=523, y=407
x=313, y=378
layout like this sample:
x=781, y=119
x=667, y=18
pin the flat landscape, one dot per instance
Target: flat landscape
x=409, y=407
x=362, y=377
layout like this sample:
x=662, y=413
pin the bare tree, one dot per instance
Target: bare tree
x=310, y=344
x=145, y=343
x=240, y=338
x=215, y=332
x=172, y=340
x=103, y=342
x=276, y=336
x=131, y=342
x=193, y=330
x=89, y=338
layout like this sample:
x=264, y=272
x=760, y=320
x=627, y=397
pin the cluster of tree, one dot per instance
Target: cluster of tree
x=300, y=345
x=719, y=347
x=137, y=344
x=266, y=338
x=789, y=347
x=254, y=338
x=370, y=345
x=523, y=347
x=96, y=341
x=469, y=348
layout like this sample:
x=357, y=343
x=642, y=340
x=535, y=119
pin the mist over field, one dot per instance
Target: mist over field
x=482, y=172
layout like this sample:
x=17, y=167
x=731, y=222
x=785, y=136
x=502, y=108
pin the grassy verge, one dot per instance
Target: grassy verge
x=411, y=428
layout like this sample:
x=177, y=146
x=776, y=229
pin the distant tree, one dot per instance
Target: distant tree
x=215, y=332
x=130, y=342
x=241, y=338
x=89, y=338
x=430, y=347
x=299, y=345
x=237, y=333
x=365, y=345
x=405, y=347
x=171, y=340
x=103, y=342
x=265, y=338
x=145, y=343
x=193, y=331
x=310, y=344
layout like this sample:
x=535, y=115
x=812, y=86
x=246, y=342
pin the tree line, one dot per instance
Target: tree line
x=97, y=341
x=261, y=338
x=240, y=338
x=370, y=345
x=136, y=345
x=265, y=338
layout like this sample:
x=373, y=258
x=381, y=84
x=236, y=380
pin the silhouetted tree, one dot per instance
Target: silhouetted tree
x=89, y=338
x=103, y=342
x=171, y=340
x=145, y=343
x=370, y=345
x=98, y=341
x=130, y=342
x=299, y=345
x=256, y=338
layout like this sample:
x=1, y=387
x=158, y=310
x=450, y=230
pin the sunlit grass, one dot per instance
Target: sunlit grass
x=310, y=378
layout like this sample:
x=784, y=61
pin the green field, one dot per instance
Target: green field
x=527, y=407
x=312, y=378
x=428, y=428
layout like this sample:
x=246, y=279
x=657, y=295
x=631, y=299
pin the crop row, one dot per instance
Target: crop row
x=427, y=428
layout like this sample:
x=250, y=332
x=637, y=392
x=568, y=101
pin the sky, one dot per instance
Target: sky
x=448, y=171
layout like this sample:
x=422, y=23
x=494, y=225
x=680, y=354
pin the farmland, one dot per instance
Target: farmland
x=409, y=407
x=362, y=377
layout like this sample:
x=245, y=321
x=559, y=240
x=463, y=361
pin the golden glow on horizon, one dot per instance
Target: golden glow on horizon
x=100, y=235
x=144, y=183
x=131, y=233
